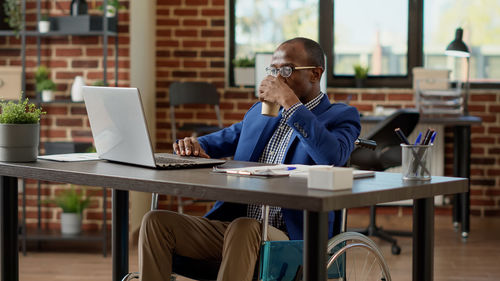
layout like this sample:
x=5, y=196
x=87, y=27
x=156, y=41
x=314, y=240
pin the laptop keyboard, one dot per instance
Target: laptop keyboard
x=161, y=159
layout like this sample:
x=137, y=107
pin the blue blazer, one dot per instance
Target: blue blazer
x=323, y=136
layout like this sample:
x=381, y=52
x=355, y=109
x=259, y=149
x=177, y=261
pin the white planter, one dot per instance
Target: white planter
x=244, y=76
x=47, y=95
x=44, y=26
x=76, y=89
x=19, y=142
x=110, y=11
x=71, y=223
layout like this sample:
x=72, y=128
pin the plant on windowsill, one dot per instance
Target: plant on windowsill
x=13, y=15
x=19, y=131
x=72, y=204
x=44, y=84
x=244, y=71
x=360, y=74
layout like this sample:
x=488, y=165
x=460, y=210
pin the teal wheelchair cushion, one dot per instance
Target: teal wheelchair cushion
x=281, y=260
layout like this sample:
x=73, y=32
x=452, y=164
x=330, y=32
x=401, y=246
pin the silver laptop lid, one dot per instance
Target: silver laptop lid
x=118, y=125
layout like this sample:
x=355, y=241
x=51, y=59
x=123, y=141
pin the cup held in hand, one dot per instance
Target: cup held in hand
x=270, y=109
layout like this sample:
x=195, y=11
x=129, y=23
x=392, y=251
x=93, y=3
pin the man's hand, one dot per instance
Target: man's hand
x=274, y=89
x=189, y=146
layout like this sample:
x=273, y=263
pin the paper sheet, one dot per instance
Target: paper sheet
x=70, y=157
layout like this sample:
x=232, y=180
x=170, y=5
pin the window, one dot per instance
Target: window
x=387, y=35
x=375, y=35
x=479, y=20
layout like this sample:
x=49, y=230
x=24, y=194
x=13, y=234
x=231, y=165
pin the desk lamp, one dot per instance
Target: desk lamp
x=457, y=48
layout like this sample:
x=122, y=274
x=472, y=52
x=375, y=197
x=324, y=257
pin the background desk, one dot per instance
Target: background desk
x=461, y=160
x=201, y=183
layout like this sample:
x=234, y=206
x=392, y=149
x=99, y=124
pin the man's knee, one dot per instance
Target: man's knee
x=244, y=227
x=155, y=219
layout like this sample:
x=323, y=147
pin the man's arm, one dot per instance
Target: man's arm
x=328, y=138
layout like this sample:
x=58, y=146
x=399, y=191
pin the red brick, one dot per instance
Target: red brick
x=194, y=43
x=194, y=22
x=84, y=63
x=69, y=122
x=373, y=97
x=218, y=22
x=97, y=52
x=206, y=54
x=217, y=44
x=84, y=40
x=197, y=64
x=163, y=12
x=69, y=52
x=168, y=63
x=211, y=74
x=163, y=33
x=494, y=108
x=483, y=97
x=400, y=97
x=476, y=108
x=494, y=130
x=57, y=64
x=186, y=33
x=184, y=74
x=79, y=111
x=185, y=12
x=168, y=2
x=213, y=12
x=56, y=110
x=212, y=33
x=363, y=107
x=167, y=22
x=217, y=64
x=167, y=43
x=53, y=133
x=233, y=116
x=196, y=2
x=67, y=75
x=218, y=3
x=185, y=54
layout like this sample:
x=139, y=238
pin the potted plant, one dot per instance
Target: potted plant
x=72, y=204
x=112, y=7
x=360, y=74
x=244, y=71
x=44, y=84
x=44, y=24
x=19, y=131
x=14, y=15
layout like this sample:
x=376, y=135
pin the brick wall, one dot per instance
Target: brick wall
x=190, y=47
x=67, y=57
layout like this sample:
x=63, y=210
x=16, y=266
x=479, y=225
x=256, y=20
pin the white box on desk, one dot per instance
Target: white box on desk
x=330, y=178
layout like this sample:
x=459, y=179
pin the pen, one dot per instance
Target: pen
x=433, y=137
x=417, y=141
x=401, y=136
x=428, y=137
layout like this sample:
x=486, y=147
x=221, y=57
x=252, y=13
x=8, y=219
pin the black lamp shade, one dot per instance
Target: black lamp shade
x=457, y=47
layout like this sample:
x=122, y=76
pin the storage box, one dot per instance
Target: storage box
x=81, y=23
x=10, y=82
x=330, y=178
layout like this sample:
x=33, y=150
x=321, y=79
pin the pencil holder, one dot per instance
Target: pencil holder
x=416, y=162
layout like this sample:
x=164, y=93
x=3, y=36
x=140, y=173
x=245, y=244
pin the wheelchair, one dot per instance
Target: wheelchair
x=350, y=255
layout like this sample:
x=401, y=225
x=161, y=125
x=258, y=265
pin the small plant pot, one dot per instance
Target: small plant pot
x=110, y=11
x=71, y=223
x=360, y=82
x=47, y=95
x=43, y=26
x=244, y=76
x=19, y=142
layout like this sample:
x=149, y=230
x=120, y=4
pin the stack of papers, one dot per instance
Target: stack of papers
x=70, y=157
x=298, y=170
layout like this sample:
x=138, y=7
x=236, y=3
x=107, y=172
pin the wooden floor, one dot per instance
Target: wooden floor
x=476, y=259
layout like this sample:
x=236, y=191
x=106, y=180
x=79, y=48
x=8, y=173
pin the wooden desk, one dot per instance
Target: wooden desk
x=201, y=183
x=461, y=160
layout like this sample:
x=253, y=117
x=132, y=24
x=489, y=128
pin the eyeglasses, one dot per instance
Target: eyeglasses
x=285, y=71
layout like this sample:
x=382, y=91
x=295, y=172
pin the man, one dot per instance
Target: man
x=308, y=130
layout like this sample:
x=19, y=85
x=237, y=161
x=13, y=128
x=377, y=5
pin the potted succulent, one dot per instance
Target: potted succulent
x=112, y=7
x=244, y=71
x=360, y=74
x=44, y=84
x=44, y=24
x=72, y=204
x=19, y=131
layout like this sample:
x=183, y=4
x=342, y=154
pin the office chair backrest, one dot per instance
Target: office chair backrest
x=193, y=93
x=388, y=151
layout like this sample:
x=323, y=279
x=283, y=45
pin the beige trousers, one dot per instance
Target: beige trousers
x=236, y=244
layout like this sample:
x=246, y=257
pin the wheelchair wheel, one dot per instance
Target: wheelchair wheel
x=353, y=256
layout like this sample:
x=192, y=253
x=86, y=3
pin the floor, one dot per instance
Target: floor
x=476, y=259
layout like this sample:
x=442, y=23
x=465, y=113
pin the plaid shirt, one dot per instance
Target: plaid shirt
x=274, y=153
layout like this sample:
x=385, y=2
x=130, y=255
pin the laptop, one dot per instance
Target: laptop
x=120, y=132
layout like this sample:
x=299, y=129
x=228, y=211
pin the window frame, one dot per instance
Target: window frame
x=415, y=54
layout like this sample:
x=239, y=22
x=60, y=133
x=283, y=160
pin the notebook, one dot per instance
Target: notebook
x=120, y=132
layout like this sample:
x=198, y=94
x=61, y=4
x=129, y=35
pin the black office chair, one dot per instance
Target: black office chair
x=385, y=156
x=201, y=93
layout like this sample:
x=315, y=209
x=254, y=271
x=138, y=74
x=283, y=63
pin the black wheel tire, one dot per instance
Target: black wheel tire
x=395, y=249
